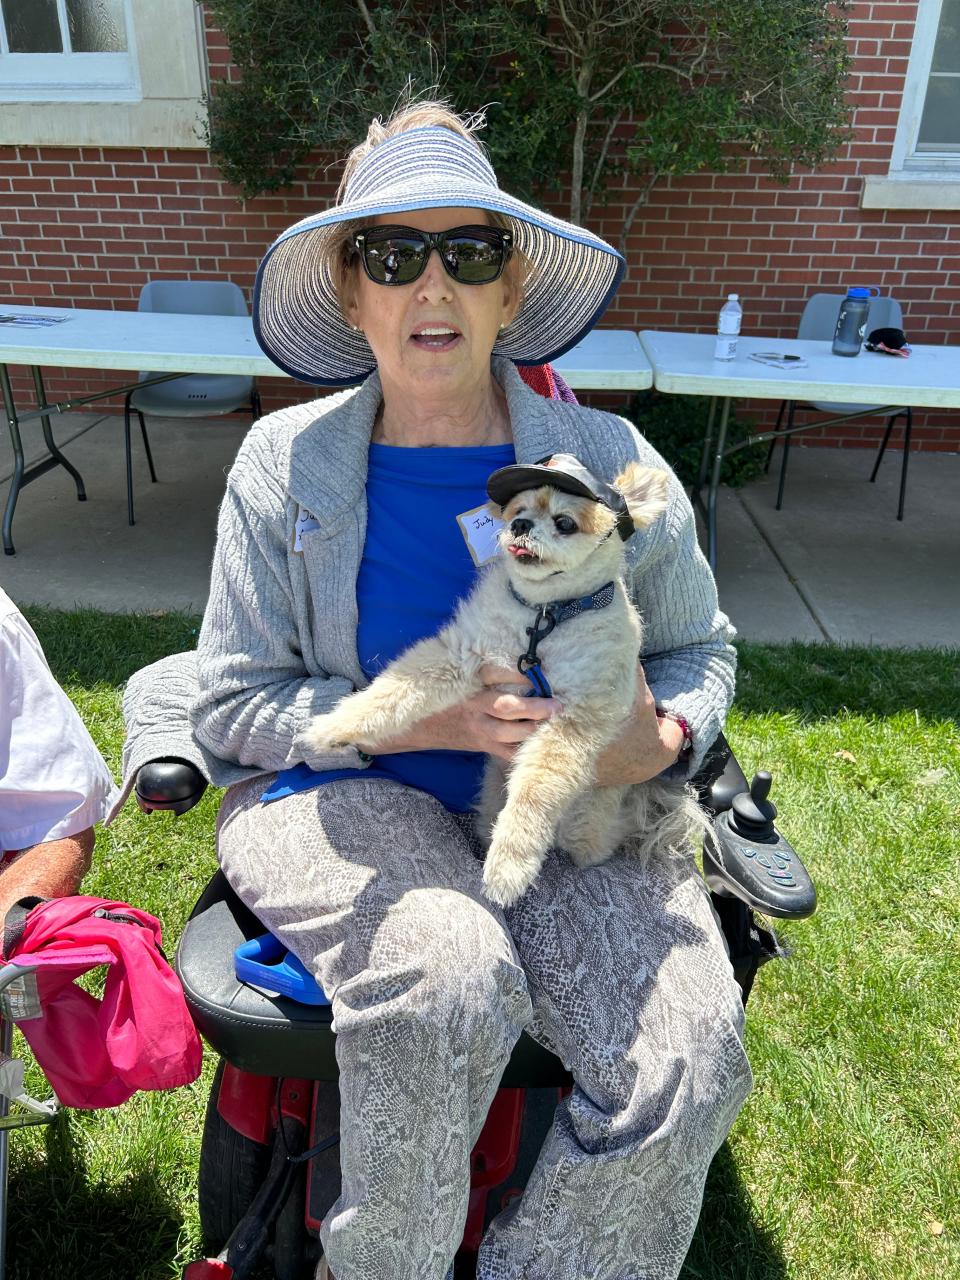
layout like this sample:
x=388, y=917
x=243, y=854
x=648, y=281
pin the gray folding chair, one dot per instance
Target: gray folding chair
x=195, y=395
x=818, y=321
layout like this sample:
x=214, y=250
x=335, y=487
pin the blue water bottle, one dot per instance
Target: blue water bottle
x=851, y=322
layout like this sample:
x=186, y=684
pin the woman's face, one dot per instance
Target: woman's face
x=396, y=318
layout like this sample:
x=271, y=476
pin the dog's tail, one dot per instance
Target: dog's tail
x=666, y=819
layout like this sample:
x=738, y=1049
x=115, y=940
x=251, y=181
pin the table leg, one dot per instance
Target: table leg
x=715, y=485
x=16, y=479
x=49, y=440
x=707, y=441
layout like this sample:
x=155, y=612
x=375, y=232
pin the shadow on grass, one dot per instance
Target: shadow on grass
x=729, y=1244
x=817, y=680
x=63, y=1224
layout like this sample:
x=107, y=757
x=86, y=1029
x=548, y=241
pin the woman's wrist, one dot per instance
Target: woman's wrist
x=666, y=719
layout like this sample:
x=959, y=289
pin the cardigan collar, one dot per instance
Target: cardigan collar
x=328, y=458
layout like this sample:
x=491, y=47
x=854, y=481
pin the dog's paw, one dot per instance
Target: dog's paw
x=328, y=733
x=509, y=870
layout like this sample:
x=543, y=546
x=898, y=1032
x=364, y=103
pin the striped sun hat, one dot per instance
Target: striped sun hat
x=570, y=279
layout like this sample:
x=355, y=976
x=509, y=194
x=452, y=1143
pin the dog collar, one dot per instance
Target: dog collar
x=548, y=616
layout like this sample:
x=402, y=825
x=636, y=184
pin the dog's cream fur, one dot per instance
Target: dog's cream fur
x=545, y=796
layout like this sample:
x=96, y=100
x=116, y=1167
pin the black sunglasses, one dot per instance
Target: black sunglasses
x=398, y=255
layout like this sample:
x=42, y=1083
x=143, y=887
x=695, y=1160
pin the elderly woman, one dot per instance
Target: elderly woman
x=345, y=535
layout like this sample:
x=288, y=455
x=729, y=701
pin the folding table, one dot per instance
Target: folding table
x=683, y=364
x=170, y=345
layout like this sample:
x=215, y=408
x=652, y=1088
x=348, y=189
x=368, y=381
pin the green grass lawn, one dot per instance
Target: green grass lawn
x=845, y=1161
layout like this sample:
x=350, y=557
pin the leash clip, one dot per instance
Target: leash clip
x=536, y=633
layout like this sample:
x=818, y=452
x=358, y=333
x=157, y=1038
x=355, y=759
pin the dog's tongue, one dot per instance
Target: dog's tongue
x=520, y=553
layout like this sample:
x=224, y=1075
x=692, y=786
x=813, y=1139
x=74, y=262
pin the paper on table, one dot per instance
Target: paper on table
x=30, y=322
x=778, y=360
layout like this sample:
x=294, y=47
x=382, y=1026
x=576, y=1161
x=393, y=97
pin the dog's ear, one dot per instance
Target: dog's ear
x=645, y=492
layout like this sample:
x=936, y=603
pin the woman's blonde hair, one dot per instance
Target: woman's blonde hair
x=339, y=250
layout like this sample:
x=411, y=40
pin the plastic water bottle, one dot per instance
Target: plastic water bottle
x=851, y=322
x=728, y=328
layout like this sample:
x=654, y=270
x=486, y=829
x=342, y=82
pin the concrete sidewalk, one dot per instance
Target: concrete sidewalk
x=833, y=565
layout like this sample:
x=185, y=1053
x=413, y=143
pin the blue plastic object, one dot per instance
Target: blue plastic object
x=264, y=962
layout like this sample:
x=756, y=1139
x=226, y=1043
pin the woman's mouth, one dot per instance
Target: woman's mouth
x=438, y=337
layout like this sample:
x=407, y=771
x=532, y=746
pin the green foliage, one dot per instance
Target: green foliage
x=676, y=426
x=592, y=89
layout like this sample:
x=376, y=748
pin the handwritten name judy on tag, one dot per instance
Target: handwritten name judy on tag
x=305, y=524
x=480, y=529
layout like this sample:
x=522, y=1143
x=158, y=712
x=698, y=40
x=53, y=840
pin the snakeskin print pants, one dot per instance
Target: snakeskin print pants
x=620, y=970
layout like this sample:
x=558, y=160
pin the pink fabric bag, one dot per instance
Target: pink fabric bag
x=97, y=1053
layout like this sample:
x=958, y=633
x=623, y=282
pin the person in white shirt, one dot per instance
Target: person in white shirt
x=54, y=784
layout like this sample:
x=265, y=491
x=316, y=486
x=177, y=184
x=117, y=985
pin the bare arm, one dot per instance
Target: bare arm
x=50, y=870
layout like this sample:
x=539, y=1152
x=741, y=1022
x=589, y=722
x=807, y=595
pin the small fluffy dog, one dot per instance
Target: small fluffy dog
x=554, y=605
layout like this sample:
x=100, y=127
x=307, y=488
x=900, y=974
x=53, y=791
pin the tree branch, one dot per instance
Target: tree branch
x=598, y=167
x=367, y=20
x=641, y=199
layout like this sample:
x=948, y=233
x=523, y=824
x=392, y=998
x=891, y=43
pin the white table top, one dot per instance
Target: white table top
x=683, y=363
x=607, y=359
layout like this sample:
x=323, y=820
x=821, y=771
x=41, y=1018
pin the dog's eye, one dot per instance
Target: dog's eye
x=564, y=524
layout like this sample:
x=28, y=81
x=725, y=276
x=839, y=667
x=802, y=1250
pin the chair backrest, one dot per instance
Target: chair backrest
x=819, y=319
x=193, y=297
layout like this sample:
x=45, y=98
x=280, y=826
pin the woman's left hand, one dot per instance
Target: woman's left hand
x=648, y=744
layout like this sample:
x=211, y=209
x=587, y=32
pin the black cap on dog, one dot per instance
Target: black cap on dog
x=568, y=474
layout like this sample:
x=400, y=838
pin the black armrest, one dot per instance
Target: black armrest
x=169, y=784
x=719, y=778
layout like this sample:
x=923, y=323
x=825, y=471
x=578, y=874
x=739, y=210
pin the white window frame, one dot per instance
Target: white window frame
x=151, y=96
x=69, y=76
x=916, y=180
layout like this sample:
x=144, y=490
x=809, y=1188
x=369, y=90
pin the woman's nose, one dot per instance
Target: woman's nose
x=520, y=526
x=435, y=284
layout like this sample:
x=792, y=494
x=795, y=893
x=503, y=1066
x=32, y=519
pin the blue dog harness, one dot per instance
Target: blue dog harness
x=547, y=617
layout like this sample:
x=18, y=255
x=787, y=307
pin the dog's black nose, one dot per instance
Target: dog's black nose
x=520, y=526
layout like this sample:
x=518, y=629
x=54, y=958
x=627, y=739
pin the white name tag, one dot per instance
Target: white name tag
x=480, y=529
x=305, y=522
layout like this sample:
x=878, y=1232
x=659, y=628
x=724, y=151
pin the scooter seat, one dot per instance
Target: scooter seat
x=270, y=1035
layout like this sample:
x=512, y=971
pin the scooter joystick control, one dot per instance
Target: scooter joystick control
x=753, y=861
x=753, y=813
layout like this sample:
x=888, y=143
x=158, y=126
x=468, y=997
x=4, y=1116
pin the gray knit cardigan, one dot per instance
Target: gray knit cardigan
x=278, y=643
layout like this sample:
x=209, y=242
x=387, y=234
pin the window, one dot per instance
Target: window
x=106, y=73
x=938, y=131
x=925, y=163
x=55, y=50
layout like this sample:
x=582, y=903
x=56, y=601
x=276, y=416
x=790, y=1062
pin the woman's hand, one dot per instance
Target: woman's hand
x=497, y=721
x=494, y=721
x=648, y=744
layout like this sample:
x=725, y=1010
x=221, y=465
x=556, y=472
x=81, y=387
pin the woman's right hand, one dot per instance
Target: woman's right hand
x=494, y=721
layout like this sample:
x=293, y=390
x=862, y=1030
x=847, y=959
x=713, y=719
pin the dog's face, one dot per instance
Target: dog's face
x=547, y=531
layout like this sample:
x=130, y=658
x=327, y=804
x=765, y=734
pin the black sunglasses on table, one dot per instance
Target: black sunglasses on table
x=398, y=255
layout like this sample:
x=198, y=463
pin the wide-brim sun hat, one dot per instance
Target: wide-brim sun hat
x=570, y=274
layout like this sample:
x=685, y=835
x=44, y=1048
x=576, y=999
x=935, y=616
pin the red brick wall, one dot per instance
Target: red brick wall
x=87, y=226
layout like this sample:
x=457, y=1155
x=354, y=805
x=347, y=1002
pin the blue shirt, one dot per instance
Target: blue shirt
x=416, y=566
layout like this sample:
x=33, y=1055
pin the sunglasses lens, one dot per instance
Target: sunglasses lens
x=474, y=259
x=392, y=258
